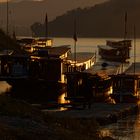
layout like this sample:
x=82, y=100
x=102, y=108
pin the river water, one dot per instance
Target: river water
x=125, y=129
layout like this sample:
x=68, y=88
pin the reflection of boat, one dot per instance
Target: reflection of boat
x=115, y=50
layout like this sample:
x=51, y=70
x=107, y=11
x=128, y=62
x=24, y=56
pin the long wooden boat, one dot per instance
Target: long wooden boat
x=118, y=51
x=84, y=87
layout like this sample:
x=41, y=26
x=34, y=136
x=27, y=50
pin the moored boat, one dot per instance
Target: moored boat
x=125, y=88
x=118, y=51
x=91, y=84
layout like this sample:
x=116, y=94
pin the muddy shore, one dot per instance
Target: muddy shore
x=103, y=113
x=20, y=121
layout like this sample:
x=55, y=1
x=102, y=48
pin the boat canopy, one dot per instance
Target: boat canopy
x=106, y=47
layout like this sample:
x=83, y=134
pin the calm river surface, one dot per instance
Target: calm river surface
x=125, y=129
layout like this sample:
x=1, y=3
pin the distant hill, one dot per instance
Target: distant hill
x=23, y=13
x=102, y=20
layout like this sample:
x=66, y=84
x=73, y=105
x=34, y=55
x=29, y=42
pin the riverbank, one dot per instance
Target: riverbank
x=103, y=113
x=20, y=120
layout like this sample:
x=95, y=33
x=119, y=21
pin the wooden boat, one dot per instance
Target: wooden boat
x=91, y=84
x=84, y=61
x=118, y=51
x=84, y=86
x=125, y=88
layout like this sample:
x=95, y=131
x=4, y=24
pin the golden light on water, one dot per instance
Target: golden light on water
x=61, y=100
x=4, y=86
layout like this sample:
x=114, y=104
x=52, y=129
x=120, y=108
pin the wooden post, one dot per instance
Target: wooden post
x=75, y=40
x=7, y=28
x=134, y=49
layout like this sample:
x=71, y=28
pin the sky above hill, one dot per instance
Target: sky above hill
x=26, y=12
x=33, y=10
x=94, y=1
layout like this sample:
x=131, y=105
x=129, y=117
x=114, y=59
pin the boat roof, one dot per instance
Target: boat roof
x=54, y=51
x=115, y=41
x=42, y=39
x=13, y=53
x=106, y=47
x=81, y=56
x=59, y=50
x=120, y=43
x=30, y=40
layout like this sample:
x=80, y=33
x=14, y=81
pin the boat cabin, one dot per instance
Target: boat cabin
x=85, y=85
x=44, y=64
x=123, y=43
x=54, y=55
x=126, y=86
x=84, y=61
x=14, y=65
x=39, y=43
x=32, y=44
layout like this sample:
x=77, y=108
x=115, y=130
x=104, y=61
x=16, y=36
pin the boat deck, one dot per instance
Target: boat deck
x=112, y=68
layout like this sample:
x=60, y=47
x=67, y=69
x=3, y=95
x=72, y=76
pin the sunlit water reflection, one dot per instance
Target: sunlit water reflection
x=61, y=100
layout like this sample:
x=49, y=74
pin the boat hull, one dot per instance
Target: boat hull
x=130, y=98
x=35, y=90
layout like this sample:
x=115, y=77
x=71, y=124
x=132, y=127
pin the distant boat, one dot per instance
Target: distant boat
x=118, y=51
